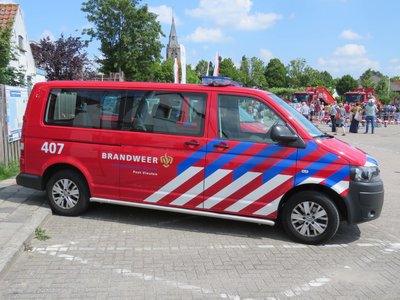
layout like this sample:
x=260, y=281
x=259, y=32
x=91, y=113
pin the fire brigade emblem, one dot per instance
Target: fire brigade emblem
x=166, y=160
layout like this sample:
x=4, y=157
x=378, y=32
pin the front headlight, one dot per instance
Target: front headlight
x=364, y=174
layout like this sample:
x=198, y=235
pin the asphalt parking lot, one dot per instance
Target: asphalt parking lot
x=129, y=253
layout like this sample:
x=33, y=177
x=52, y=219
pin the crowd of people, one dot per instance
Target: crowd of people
x=342, y=115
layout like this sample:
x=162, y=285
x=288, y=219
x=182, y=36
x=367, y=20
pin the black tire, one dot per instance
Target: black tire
x=316, y=227
x=68, y=193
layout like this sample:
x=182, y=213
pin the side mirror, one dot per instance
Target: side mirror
x=282, y=133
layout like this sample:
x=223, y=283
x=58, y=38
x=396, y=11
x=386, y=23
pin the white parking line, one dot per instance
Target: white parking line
x=62, y=248
x=127, y=272
x=306, y=287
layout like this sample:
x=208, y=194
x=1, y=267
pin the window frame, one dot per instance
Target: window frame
x=69, y=123
x=188, y=94
x=266, y=139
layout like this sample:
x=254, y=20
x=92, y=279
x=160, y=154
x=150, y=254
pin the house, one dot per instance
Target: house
x=12, y=14
x=394, y=86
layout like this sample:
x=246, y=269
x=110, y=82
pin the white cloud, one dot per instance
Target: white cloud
x=394, y=60
x=292, y=16
x=49, y=34
x=347, y=64
x=194, y=52
x=201, y=35
x=350, y=35
x=7, y=2
x=234, y=14
x=397, y=68
x=205, y=47
x=165, y=14
x=350, y=49
x=266, y=55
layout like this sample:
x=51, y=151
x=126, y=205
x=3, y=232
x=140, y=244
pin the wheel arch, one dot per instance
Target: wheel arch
x=335, y=197
x=53, y=169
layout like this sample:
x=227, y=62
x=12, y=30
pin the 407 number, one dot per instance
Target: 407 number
x=52, y=147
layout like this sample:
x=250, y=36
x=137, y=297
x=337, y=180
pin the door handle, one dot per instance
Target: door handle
x=221, y=146
x=192, y=143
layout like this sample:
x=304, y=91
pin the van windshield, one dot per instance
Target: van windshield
x=307, y=125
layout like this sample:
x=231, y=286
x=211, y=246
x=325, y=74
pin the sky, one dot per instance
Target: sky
x=339, y=36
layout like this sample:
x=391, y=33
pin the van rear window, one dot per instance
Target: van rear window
x=85, y=108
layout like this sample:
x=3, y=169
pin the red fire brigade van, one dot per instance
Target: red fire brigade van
x=192, y=149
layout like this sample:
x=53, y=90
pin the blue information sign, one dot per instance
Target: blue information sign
x=16, y=101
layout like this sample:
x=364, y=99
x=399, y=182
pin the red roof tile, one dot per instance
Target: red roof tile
x=7, y=14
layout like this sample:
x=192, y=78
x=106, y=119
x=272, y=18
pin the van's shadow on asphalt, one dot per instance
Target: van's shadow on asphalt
x=175, y=221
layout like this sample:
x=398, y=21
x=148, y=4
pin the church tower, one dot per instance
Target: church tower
x=173, y=47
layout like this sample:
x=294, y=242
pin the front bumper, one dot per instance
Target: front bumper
x=364, y=201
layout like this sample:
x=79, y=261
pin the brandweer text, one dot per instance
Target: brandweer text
x=133, y=158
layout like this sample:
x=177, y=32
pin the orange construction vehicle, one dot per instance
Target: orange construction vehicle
x=311, y=94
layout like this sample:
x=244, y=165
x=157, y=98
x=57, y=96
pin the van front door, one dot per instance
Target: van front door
x=246, y=172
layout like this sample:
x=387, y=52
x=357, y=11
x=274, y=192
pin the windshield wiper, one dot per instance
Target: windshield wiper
x=324, y=135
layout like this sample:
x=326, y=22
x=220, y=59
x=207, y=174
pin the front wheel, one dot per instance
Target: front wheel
x=68, y=193
x=310, y=217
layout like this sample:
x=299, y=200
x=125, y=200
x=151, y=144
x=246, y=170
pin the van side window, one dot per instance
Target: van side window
x=176, y=113
x=85, y=108
x=245, y=119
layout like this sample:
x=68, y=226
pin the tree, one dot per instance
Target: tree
x=210, y=69
x=167, y=71
x=257, y=70
x=345, y=84
x=366, y=80
x=382, y=93
x=129, y=37
x=377, y=73
x=227, y=68
x=191, y=75
x=164, y=72
x=311, y=77
x=245, y=70
x=63, y=59
x=328, y=80
x=394, y=78
x=382, y=87
x=276, y=74
x=201, y=68
x=9, y=75
x=295, y=70
x=336, y=80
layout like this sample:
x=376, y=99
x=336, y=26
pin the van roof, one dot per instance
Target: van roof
x=147, y=85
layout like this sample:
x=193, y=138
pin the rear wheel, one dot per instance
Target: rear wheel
x=68, y=193
x=310, y=217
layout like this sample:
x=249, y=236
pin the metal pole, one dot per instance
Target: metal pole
x=389, y=87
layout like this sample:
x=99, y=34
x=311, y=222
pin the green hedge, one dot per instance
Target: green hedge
x=282, y=91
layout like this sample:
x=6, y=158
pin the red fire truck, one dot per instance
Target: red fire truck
x=360, y=95
x=311, y=94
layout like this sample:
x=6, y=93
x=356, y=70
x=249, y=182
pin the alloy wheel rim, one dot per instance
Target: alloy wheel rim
x=65, y=193
x=309, y=219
